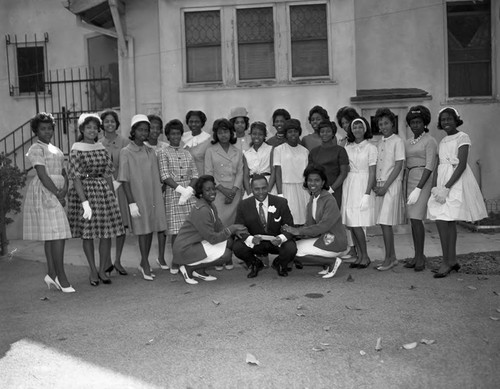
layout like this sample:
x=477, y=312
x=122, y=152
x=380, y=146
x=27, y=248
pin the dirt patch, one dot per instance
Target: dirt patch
x=473, y=263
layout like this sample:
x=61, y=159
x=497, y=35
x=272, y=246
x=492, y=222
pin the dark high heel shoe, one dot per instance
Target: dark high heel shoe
x=93, y=282
x=109, y=270
x=410, y=265
x=364, y=265
x=455, y=267
x=121, y=271
x=419, y=268
x=353, y=265
x=104, y=280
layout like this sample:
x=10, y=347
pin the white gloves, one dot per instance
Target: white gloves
x=365, y=202
x=134, y=210
x=414, y=195
x=441, y=194
x=87, y=212
x=186, y=194
x=116, y=185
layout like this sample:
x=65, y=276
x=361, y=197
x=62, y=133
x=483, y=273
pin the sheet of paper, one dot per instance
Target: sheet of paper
x=267, y=237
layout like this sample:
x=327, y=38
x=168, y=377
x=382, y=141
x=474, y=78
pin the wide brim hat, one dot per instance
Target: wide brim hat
x=139, y=119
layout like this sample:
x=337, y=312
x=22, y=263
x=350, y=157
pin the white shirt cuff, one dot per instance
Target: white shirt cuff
x=283, y=238
x=249, y=241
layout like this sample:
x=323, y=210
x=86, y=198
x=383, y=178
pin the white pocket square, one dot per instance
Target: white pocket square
x=278, y=219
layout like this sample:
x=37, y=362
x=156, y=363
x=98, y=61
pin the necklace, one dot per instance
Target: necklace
x=415, y=141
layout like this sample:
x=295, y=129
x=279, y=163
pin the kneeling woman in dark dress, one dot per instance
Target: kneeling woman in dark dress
x=203, y=241
x=323, y=238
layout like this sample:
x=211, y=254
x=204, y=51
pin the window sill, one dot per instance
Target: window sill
x=472, y=100
x=26, y=96
x=255, y=84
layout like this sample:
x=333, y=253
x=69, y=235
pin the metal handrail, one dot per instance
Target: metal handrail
x=18, y=140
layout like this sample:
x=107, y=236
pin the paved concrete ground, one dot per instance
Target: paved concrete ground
x=138, y=334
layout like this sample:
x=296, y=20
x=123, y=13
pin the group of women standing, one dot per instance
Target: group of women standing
x=189, y=188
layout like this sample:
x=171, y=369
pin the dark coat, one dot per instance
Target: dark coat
x=328, y=225
x=201, y=224
x=248, y=215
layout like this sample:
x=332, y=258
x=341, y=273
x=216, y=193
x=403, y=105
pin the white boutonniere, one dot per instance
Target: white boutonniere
x=271, y=209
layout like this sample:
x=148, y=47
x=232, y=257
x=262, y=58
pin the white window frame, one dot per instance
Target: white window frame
x=328, y=37
x=282, y=47
x=495, y=9
x=184, y=47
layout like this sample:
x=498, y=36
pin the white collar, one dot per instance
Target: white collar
x=265, y=203
x=389, y=137
x=81, y=146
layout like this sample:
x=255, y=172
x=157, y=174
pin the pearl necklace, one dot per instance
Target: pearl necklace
x=415, y=141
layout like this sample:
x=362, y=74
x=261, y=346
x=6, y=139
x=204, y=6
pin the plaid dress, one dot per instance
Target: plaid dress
x=44, y=217
x=91, y=164
x=178, y=164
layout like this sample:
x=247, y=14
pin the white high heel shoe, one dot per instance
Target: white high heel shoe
x=144, y=275
x=203, y=277
x=49, y=281
x=69, y=289
x=185, y=274
x=324, y=271
x=334, y=269
x=162, y=267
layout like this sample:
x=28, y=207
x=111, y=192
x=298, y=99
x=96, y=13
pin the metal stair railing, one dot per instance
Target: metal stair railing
x=16, y=144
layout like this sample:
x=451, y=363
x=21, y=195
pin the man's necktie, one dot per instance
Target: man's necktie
x=262, y=216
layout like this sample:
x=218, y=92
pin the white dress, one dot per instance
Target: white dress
x=293, y=161
x=361, y=157
x=390, y=208
x=464, y=201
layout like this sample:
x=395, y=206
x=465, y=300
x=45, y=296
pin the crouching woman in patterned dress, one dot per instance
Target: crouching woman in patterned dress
x=203, y=241
x=91, y=170
x=44, y=217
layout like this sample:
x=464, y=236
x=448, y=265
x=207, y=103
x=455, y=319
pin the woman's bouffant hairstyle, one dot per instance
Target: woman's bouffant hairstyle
x=245, y=118
x=198, y=187
x=346, y=112
x=200, y=114
x=112, y=113
x=152, y=117
x=223, y=124
x=281, y=112
x=453, y=112
x=386, y=113
x=314, y=168
x=259, y=126
x=320, y=110
x=419, y=111
x=86, y=121
x=292, y=123
x=134, y=127
x=41, y=117
x=368, y=130
x=174, y=124
x=329, y=124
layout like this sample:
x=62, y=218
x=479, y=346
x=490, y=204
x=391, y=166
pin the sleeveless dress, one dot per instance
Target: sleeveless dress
x=465, y=200
x=44, y=217
x=91, y=163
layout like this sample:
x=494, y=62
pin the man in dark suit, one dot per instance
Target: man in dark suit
x=263, y=215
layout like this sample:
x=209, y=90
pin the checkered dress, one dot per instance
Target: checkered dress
x=44, y=217
x=92, y=164
x=178, y=164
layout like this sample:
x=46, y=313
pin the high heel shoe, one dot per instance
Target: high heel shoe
x=388, y=267
x=144, y=275
x=121, y=271
x=332, y=269
x=364, y=265
x=106, y=281
x=162, y=267
x=185, y=274
x=69, y=289
x=410, y=265
x=204, y=277
x=49, y=281
x=93, y=282
x=354, y=265
x=455, y=267
x=324, y=271
x=109, y=270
